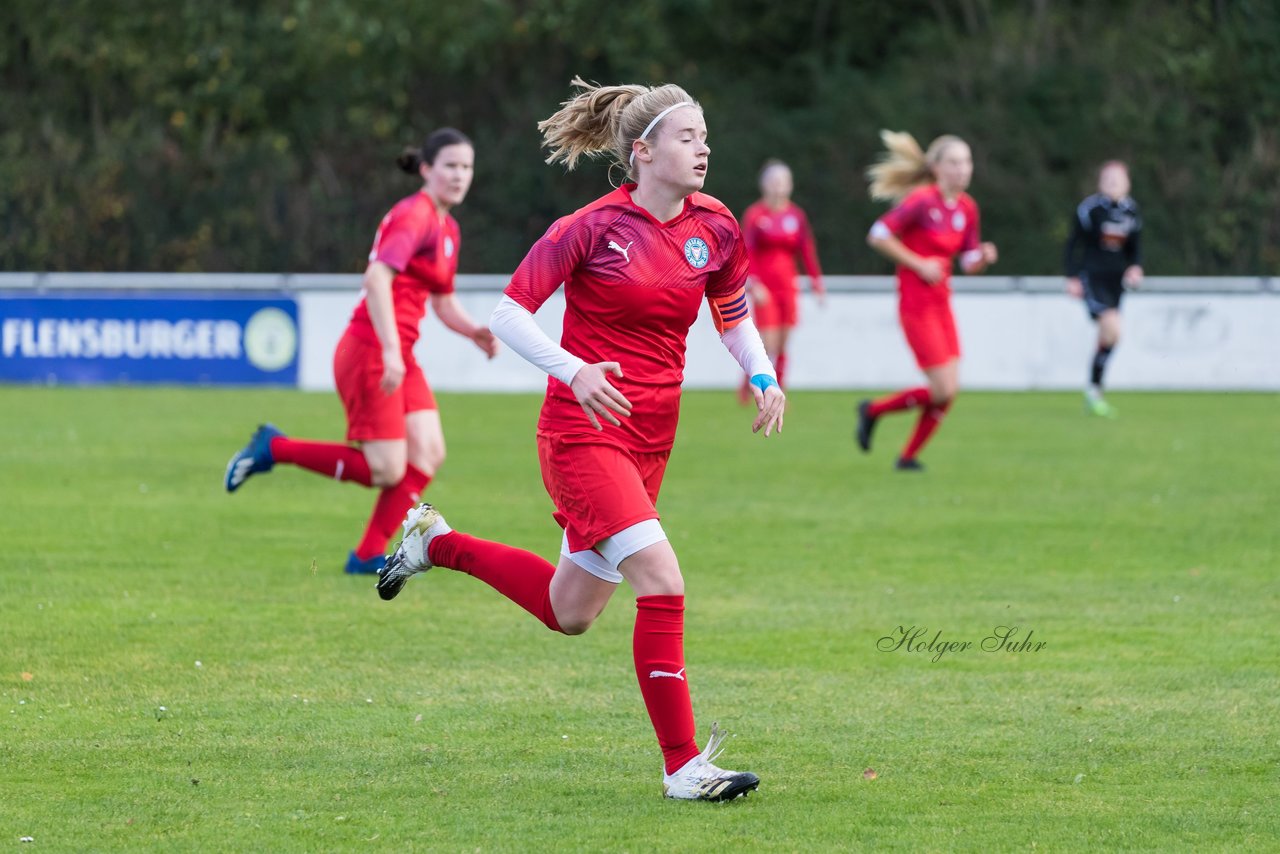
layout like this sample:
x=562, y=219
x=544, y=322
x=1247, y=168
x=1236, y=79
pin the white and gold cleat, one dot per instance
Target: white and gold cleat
x=699, y=780
x=423, y=524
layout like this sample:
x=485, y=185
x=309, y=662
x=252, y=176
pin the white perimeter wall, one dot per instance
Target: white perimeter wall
x=1011, y=340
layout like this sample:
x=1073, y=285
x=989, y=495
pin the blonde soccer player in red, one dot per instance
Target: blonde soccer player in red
x=933, y=220
x=391, y=412
x=635, y=265
x=777, y=231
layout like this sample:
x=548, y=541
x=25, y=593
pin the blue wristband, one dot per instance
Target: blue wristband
x=764, y=382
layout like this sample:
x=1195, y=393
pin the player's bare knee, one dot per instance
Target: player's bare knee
x=427, y=463
x=386, y=473
x=942, y=394
x=667, y=586
x=653, y=578
x=575, y=624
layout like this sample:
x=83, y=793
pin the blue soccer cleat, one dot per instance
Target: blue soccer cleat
x=252, y=459
x=372, y=566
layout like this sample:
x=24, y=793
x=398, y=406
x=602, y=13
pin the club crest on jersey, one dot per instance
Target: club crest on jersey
x=448, y=247
x=790, y=225
x=957, y=220
x=696, y=252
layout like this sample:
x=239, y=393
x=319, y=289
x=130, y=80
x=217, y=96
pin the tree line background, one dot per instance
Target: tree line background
x=190, y=135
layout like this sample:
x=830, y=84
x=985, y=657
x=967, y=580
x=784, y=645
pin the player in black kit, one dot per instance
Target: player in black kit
x=1103, y=257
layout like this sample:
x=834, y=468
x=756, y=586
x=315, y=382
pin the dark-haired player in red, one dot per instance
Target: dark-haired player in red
x=777, y=231
x=934, y=220
x=635, y=265
x=391, y=412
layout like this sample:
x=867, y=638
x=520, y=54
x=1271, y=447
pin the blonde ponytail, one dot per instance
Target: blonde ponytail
x=904, y=165
x=605, y=120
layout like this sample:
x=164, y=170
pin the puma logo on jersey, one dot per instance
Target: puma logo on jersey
x=658, y=674
x=613, y=244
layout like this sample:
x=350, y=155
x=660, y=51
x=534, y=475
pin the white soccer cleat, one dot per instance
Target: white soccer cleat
x=423, y=524
x=699, y=780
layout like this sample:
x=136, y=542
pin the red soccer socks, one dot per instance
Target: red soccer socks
x=332, y=459
x=906, y=399
x=658, y=644
x=521, y=576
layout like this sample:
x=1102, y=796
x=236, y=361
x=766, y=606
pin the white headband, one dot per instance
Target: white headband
x=659, y=117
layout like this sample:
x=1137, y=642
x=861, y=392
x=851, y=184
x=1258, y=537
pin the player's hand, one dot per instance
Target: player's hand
x=485, y=340
x=930, y=269
x=820, y=293
x=1133, y=277
x=760, y=294
x=1075, y=287
x=598, y=397
x=989, y=253
x=392, y=371
x=770, y=405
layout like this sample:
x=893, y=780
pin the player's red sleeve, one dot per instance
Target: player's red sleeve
x=972, y=230
x=399, y=236
x=809, y=250
x=906, y=214
x=732, y=272
x=728, y=311
x=726, y=286
x=550, y=262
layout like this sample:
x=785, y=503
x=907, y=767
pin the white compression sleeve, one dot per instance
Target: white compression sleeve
x=744, y=344
x=515, y=326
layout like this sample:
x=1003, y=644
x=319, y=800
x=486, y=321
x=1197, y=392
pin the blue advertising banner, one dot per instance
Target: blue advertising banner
x=94, y=337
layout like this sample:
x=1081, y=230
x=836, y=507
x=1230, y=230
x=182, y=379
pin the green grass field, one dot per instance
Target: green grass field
x=183, y=670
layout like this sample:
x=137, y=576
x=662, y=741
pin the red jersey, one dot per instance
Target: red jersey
x=421, y=245
x=774, y=239
x=933, y=228
x=633, y=287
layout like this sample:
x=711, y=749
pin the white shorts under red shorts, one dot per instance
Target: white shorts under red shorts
x=931, y=332
x=372, y=414
x=598, y=489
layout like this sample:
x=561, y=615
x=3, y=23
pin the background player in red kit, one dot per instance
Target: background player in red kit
x=391, y=411
x=934, y=220
x=776, y=231
x=635, y=265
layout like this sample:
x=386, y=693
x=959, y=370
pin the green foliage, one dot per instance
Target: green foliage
x=185, y=135
x=319, y=718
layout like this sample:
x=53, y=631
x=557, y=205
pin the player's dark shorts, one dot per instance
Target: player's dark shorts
x=1102, y=292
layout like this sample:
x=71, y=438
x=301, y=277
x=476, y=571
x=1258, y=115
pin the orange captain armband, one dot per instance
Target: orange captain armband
x=728, y=312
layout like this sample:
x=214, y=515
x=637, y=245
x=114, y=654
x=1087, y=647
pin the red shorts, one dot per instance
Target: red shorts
x=598, y=489
x=780, y=311
x=373, y=414
x=931, y=333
